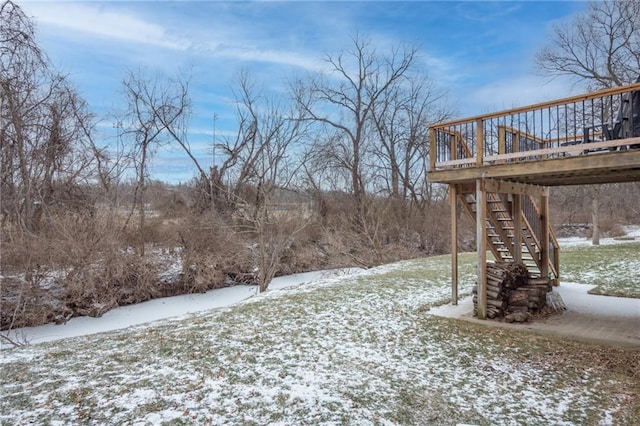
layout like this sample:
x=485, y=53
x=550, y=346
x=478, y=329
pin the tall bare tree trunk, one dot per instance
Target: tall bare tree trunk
x=142, y=183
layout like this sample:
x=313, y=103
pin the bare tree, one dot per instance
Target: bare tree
x=45, y=131
x=600, y=48
x=370, y=111
x=156, y=109
x=175, y=120
x=401, y=120
x=344, y=102
x=263, y=158
x=48, y=161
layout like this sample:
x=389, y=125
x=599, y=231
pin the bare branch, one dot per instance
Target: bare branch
x=600, y=47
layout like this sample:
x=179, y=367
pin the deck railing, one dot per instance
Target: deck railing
x=599, y=121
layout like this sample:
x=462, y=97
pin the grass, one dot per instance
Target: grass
x=361, y=349
x=614, y=269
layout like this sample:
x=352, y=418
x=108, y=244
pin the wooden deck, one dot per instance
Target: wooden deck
x=499, y=167
x=556, y=143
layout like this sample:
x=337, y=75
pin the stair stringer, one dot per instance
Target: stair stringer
x=501, y=242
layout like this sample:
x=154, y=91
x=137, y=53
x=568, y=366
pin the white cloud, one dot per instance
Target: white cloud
x=254, y=53
x=99, y=22
x=118, y=25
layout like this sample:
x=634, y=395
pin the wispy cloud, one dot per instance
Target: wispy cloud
x=253, y=53
x=487, y=11
x=97, y=21
x=120, y=25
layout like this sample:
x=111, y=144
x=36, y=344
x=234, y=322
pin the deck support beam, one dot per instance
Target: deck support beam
x=481, y=247
x=453, y=198
x=508, y=187
x=609, y=167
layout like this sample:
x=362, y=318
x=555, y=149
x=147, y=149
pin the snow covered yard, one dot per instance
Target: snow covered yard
x=613, y=267
x=359, y=349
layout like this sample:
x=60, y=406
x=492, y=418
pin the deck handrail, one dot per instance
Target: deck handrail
x=541, y=105
x=518, y=134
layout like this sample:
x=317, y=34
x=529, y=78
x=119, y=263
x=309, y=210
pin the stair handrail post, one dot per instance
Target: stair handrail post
x=544, y=235
x=556, y=262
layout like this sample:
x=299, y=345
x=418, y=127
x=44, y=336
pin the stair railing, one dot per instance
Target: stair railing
x=531, y=215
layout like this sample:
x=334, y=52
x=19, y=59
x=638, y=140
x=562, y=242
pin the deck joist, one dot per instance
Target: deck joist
x=587, y=169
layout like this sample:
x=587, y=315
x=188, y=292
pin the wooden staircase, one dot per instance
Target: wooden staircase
x=501, y=225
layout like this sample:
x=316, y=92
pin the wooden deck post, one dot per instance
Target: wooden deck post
x=453, y=197
x=502, y=142
x=433, y=150
x=480, y=142
x=516, y=214
x=544, y=235
x=481, y=246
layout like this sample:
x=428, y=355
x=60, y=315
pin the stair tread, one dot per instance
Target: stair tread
x=501, y=232
x=507, y=250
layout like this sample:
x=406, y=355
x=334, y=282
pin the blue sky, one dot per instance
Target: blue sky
x=481, y=53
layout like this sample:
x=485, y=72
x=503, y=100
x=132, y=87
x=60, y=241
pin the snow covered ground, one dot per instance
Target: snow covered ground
x=578, y=300
x=632, y=233
x=354, y=349
x=163, y=308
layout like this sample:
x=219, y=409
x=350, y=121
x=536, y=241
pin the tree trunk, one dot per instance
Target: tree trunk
x=395, y=173
x=141, y=185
